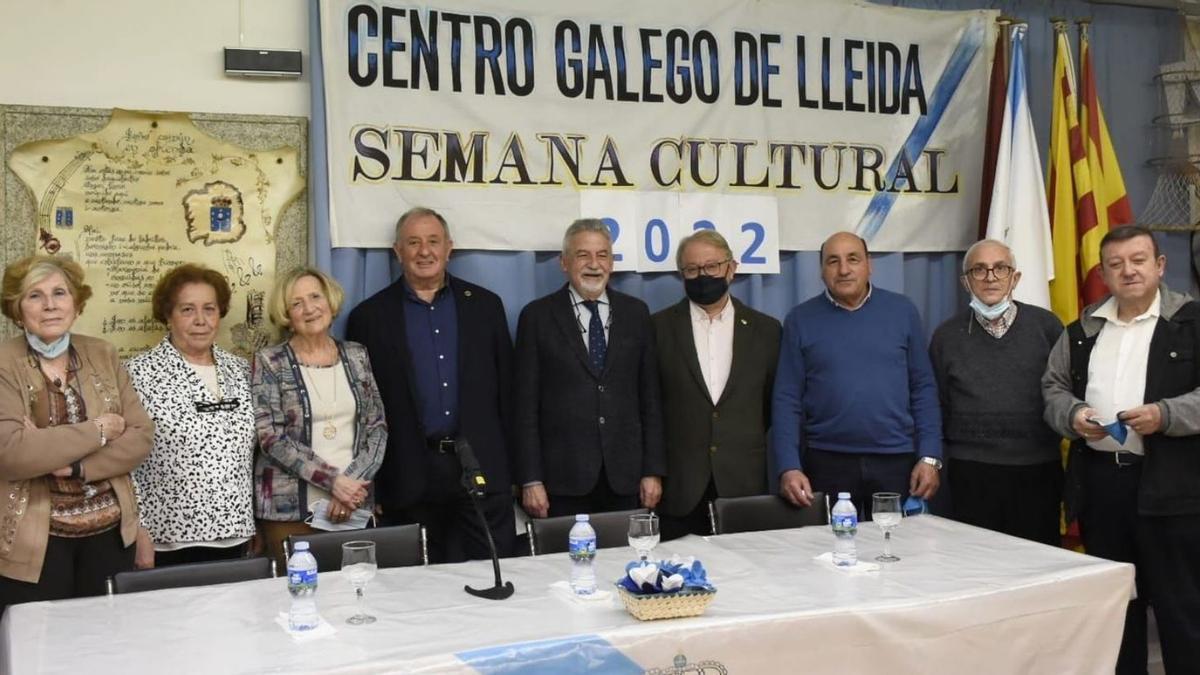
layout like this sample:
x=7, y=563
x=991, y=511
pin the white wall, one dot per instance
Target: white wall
x=147, y=54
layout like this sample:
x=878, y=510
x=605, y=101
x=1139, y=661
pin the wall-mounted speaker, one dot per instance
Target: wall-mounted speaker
x=248, y=62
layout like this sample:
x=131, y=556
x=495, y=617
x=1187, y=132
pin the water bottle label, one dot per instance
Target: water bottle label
x=845, y=523
x=301, y=577
x=582, y=549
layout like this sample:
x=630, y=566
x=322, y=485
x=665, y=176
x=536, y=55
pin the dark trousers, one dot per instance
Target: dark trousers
x=452, y=528
x=74, y=568
x=195, y=554
x=1170, y=556
x=1019, y=500
x=860, y=474
x=599, y=500
x=695, y=521
x=1165, y=550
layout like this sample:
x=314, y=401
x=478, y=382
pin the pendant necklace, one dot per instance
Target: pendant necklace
x=329, y=431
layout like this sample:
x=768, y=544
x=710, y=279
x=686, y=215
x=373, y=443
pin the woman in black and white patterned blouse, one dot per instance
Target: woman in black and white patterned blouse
x=196, y=487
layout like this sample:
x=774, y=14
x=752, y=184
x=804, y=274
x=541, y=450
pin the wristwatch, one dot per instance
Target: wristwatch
x=933, y=461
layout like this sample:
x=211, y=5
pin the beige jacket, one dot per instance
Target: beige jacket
x=26, y=457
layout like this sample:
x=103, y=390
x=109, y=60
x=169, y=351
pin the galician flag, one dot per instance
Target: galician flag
x=1018, y=216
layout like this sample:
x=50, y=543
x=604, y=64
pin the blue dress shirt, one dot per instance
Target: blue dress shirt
x=432, y=334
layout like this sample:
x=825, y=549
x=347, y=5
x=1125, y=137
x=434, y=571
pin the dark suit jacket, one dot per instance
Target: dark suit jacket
x=726, y=440
x=571, y=419
x=484, y=389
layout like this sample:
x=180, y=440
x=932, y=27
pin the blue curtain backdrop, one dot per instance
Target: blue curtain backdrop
x=1128, y=43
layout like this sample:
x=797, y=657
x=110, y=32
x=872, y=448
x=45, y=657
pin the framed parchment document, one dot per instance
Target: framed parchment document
x=132, y=194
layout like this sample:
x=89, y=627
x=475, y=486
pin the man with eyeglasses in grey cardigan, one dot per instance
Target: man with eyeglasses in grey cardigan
x=1004, y=463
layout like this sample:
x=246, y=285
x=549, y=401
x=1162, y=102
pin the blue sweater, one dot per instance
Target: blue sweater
x=856, y=381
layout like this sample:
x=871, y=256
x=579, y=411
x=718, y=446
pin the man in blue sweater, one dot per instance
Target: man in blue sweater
x=855, y=406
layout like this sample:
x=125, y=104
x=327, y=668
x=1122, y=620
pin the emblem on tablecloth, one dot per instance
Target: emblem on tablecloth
x=681, y=666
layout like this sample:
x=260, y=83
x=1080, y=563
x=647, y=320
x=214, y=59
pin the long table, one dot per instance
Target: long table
x=961, y=600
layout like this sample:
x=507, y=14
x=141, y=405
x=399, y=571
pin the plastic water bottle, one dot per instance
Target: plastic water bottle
x=582, y=546
x=845, y=526
x=302, y=584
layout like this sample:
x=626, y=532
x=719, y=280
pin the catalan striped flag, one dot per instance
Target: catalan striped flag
x=1069, y=194
x=1108, y=187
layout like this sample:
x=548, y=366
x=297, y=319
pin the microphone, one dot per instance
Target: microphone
x=472, y=473
x=476, y=486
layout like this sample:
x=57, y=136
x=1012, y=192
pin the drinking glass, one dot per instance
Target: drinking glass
x=885, y=511
x=358, y=564
x=643, y=534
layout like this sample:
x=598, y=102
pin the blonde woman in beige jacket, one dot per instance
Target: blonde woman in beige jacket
x=71, y=430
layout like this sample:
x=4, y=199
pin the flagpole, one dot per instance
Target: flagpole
x=1082, y=38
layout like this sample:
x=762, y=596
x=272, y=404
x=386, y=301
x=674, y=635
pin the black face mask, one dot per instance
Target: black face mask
x=705, y=290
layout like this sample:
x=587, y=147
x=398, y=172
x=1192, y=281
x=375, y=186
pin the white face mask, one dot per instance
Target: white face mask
x=319, y=518
x=48, y=350
x=991, y=312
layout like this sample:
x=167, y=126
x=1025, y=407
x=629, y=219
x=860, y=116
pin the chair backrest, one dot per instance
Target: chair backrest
x=765, y=512
x=549, y=535
x=397, y=546
x=193, y=574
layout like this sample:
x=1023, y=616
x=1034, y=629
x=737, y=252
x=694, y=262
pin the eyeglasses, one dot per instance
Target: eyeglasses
x=224, y=405
x=980, y=272
x=712, y=269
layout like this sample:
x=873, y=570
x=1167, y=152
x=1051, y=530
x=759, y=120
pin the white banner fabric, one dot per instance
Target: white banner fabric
x=776, y=122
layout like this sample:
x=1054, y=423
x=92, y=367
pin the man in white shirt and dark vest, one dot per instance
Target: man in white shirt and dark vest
x=716, y=362
x=1123, y=383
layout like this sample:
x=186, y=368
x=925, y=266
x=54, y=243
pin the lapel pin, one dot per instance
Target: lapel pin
x=467, y=292
x=745, y=322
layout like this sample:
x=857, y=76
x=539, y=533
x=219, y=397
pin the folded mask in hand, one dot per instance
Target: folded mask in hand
x=915, y=506
x=319, y=518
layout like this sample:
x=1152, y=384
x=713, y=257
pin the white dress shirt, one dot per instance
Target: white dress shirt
x=584, y=315
x=714, y=346
x=1117, y=369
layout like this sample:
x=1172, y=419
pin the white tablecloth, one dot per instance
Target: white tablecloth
x=961, y=600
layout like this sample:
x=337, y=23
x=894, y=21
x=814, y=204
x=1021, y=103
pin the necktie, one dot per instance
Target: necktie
x=597, y=345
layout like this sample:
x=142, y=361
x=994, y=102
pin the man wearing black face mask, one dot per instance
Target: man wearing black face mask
x=717, y=362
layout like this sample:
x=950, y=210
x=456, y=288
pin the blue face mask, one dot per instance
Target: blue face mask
x=990, y=312
x=48, y=350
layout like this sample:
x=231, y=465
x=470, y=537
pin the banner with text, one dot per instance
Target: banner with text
x=776, y=123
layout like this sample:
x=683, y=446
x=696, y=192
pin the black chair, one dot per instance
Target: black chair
x=764, y=512
x=397, y=546
x=549, y=535
x=192, y=574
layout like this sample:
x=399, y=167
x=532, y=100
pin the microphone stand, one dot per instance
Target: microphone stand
x=475, y=485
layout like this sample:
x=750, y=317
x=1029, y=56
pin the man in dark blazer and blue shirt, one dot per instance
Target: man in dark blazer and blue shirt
x=442, y=357
x=588, y=419
x=716, y=362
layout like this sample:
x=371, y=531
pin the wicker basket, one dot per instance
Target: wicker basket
x=665, y=605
